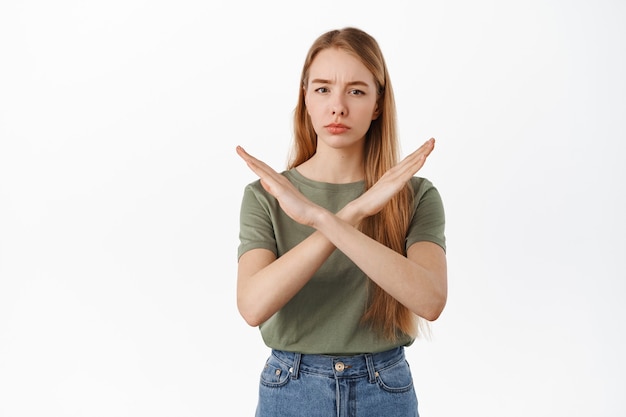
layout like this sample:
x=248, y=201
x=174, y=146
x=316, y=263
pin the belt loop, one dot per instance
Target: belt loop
x=295, y=370
x=369, y=360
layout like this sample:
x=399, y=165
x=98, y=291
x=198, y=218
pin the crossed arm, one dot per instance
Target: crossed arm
x=266, y=283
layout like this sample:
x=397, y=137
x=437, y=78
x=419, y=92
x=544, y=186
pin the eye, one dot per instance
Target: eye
x=356, y=92
x=322, y=90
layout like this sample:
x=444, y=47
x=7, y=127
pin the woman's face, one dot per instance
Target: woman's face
x=340, y=98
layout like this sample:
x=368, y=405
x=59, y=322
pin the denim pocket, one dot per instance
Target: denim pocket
x=396, y=378
x=275, y=373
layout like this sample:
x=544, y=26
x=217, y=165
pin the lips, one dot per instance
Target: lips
x=336, y=128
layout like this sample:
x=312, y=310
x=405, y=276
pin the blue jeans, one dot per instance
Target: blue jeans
x=367, y=385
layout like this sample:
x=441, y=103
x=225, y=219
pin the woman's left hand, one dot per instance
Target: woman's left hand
x=375, y=198
x=293, y=203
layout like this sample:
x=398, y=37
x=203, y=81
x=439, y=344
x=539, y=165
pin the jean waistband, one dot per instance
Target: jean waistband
x=340, y=366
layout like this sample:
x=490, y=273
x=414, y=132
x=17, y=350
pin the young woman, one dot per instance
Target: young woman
x=342, y=254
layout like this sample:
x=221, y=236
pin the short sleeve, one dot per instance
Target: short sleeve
x=255, y=223
x=428, y=222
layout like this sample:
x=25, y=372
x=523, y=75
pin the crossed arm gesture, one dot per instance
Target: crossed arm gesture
x=419, y=280
x=300, y=209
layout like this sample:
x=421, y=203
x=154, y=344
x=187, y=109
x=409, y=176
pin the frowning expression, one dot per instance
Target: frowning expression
x=341, y=98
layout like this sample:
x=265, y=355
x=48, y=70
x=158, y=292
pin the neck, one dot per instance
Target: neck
x=335, y=167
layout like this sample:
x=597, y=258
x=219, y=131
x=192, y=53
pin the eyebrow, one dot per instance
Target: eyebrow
x=351, y=83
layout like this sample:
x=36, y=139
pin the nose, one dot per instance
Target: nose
x=338, y=106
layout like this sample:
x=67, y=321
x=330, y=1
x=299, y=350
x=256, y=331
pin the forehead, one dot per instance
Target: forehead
x=337, y=65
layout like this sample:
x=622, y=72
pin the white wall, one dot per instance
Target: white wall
x=120, y=191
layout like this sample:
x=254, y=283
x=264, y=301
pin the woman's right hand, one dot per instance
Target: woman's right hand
x=374, y=199
x=292, y=201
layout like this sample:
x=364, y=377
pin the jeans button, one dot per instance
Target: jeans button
x=339, y=367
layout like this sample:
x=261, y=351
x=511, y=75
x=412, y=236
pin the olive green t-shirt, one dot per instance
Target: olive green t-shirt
x=324, y=317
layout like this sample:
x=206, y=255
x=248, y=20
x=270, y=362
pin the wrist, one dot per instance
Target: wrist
x=350, y=214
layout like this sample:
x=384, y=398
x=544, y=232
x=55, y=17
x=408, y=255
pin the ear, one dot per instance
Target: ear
x=376, y=112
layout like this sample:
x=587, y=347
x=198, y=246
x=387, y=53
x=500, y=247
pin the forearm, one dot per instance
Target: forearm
x=422, y=288
x=262, y=292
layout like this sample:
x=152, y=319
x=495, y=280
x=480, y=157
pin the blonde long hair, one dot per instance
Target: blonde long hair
x=381, y=152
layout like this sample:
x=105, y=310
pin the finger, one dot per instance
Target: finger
x=420, y=154
x=416, y=160
x=426, y=148
x=246, y=156
x=259, y=167
x=242, y=152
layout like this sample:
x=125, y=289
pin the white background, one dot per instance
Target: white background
x=120, y=192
